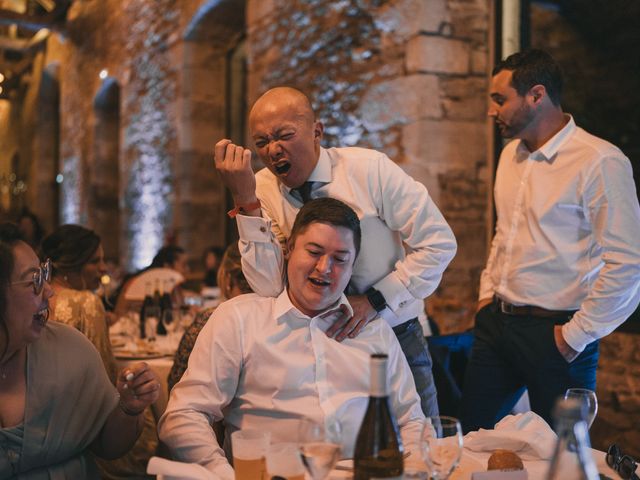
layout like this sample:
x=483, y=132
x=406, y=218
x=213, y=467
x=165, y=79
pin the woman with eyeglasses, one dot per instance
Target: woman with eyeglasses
x=77, y=260
x=57, y=403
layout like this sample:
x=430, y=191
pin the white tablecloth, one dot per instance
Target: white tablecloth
x=476, y=462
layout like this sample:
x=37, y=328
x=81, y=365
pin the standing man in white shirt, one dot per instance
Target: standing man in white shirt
x=265, y=362
x=407, y=242
x=564, y=266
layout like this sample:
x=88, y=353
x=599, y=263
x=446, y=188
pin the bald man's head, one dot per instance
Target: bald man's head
x=286, y=135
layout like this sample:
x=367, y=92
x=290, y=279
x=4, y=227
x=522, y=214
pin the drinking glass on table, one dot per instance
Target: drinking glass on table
x=320, y=446
x=589, y=401
x=441, y=445
x=249, y=449
x=283, y=461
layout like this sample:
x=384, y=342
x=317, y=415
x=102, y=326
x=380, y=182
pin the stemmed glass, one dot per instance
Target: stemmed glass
x=441, y=445
x=320, y=447
x=587, y=398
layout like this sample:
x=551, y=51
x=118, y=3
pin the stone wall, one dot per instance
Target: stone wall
x=407, y=77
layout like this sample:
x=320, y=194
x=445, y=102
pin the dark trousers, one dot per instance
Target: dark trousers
x=511, y=353
x=414, y=346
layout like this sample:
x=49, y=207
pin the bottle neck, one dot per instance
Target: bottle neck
x=378, y=386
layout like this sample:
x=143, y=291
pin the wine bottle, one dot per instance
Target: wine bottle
x=572, y=456
x=157, y=301
x=166, y=304
x=378, y=451
x=147, y=302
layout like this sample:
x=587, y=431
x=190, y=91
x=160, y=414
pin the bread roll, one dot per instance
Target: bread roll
x=505, y=460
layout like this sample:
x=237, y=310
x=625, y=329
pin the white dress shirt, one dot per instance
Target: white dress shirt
x=568, y=232
x=260, y=363
x=393, y=210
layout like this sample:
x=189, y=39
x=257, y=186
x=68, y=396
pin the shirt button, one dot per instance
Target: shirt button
x=402, y=304
x=263, y=229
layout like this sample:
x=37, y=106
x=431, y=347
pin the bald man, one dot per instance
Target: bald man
x=406, y=242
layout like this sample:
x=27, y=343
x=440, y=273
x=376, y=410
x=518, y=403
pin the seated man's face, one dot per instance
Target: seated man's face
x=320, y=265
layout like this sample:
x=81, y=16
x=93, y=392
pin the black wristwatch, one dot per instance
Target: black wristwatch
x=376, y=299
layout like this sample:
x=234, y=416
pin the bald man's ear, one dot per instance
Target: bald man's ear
x=318, y=130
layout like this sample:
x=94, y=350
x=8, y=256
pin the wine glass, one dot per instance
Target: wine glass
x=441, y=445
x=320, y=446
x=588, y=399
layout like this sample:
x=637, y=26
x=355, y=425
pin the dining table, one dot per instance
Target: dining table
x=472, y=462
x=158, y=352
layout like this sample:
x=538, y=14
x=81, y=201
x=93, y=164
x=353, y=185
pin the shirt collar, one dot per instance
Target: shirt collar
x=321, y=173
x=284, y=307
x=548, y=151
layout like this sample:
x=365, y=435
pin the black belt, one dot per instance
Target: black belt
x=529, y=310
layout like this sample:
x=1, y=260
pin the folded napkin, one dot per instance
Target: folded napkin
x=171, y=470
x=527, y=434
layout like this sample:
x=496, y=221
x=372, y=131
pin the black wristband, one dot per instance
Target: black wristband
x=376, y=299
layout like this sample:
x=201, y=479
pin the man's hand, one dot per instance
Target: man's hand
x=233, y=162
x=564, y=348
x=483, y=303
x=345, y=326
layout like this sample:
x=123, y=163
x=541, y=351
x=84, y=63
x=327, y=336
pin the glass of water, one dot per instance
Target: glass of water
x=441, y=445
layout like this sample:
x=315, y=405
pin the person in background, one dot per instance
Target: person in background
x=265, y=362
x=564, y=266
x=77, y=260
x=57, y=403
x=408, y=244
x=171, y=256
x=211, y=260
x=232, y=283
x=30, y=228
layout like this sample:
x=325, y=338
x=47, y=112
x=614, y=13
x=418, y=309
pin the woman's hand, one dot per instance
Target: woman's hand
x=139, y=387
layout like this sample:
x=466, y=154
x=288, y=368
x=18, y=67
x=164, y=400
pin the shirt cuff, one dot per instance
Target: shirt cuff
x=253, y=229
x=575, y=336
x=395, y=293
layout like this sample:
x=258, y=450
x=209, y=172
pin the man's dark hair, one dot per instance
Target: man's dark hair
x=166, y=256
x=9, y=235
x=533, y=67
x=329, y=211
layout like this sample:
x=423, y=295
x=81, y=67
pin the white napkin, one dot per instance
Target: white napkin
x=527, y=434
x=171, y=470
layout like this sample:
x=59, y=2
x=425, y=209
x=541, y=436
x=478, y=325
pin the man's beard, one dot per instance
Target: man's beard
x=520, y=120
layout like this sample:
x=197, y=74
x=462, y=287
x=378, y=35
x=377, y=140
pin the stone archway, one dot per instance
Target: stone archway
x=213, y=107
x=105, y=174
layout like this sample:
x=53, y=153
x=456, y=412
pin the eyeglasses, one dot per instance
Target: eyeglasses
x=623, y=464
x=41, y=275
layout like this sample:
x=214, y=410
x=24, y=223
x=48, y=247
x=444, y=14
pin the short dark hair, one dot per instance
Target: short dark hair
x=9, y=235
x=70, y=247
x=166, y=256
x=533, y=67
x=330, y=211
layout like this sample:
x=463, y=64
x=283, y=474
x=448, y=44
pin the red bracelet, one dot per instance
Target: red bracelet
x=243, y=208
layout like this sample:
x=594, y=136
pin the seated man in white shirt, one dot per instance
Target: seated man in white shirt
x=265, y=362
